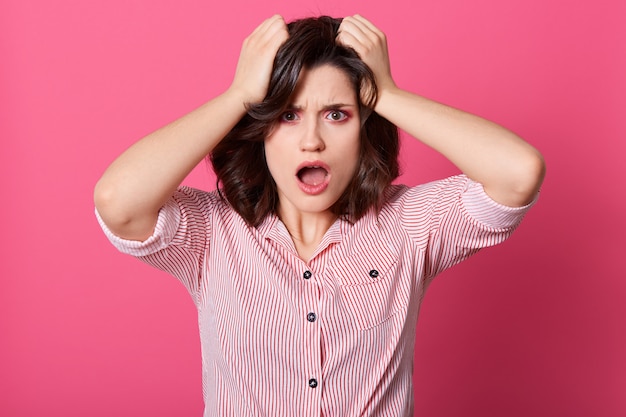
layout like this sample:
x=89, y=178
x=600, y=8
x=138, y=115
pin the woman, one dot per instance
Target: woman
x=307, y=266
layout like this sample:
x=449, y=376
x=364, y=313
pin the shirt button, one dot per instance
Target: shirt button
x=313, y=383
x=307, y=275
x=374, y=273
x=311, y=317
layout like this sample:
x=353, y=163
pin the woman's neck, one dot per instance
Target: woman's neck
x=306, y=229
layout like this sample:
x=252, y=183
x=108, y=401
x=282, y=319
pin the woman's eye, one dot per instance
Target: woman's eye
x=336, y=115
x=289, y=116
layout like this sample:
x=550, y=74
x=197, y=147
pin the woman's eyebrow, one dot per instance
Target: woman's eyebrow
x=325, y=107
x=337, y=106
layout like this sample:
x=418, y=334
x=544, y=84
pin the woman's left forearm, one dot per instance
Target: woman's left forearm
x=510, y=169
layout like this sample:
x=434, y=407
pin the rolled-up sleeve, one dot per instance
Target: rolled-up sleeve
x=453, y=218
x=489, y=213
x=164, y=231
x=180, y=239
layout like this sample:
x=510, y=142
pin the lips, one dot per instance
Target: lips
x=313, y=177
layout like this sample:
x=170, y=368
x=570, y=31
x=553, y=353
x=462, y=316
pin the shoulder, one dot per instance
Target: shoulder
x=191, y=194
x=419, y=210
x=209, y=210
x=454, y=197
x=203, y=210
x=205, y=201
x=419, y=197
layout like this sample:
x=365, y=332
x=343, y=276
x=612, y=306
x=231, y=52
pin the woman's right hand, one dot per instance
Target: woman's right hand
x=256, y=60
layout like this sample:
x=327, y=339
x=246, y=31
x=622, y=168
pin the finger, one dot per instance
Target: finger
x=279, y=25
x=268, y=27
x=267, y=23
x=350, y=35
x=348, y=39
x=357, y=40
x=274, y=24
x=277, y=33
x=361, y=37
x=350, y=27
x=367, y=25
x=271, y=33
x=360, y=28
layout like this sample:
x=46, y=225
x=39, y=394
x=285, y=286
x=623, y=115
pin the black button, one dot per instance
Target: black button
x=307, y=275
x=311, y=317
x=374, y=273
x=313, y=383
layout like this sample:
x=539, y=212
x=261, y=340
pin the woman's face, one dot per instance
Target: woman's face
x=313, y=151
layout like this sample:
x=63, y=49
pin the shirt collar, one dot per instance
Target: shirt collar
x=274, y=229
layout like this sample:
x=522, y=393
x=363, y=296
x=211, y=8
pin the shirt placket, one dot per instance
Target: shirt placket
x=311, y=315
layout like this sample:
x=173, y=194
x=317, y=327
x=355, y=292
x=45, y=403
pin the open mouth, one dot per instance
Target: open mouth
x=312, y=175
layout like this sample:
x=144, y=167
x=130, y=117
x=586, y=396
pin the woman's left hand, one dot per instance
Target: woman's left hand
x=370, y=44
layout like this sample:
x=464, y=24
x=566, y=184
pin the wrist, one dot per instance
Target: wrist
x=386, y=95
x=236, y=100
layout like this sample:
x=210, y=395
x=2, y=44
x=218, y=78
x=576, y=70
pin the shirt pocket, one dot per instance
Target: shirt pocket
x=370, y=288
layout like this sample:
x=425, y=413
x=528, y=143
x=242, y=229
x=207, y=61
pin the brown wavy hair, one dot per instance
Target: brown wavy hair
x=239, y=159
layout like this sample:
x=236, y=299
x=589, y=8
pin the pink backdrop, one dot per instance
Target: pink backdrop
x=535, y=327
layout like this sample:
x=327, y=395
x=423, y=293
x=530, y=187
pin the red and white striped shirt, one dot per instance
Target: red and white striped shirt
x=331, y=337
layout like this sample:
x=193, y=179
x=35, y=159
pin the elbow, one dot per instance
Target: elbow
x=106, y=202
x=516, y=182
x=119, y=217
x=102, y=198
x=529, y=175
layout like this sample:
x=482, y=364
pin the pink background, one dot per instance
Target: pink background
x=535, y=327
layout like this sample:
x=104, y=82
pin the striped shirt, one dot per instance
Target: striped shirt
x=331, y=337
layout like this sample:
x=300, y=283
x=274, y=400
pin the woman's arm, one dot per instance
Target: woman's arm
x=510, y=170
x=137, y=184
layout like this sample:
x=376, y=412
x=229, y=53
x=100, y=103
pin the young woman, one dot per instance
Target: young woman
x=308, y=266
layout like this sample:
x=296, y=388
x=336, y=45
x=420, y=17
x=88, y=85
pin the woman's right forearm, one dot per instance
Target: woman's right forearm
x=137, y=184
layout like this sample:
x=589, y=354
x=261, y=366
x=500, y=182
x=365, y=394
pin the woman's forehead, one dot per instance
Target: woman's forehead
x=324, y=85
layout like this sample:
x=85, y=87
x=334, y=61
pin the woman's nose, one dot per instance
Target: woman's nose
x=311, y=138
